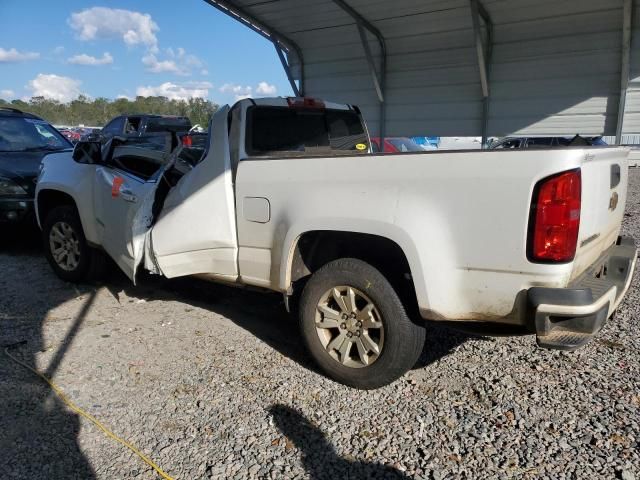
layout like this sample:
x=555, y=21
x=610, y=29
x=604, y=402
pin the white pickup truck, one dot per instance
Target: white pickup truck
x=288, y=197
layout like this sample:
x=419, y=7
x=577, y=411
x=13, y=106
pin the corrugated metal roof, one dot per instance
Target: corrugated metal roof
x=555, y=65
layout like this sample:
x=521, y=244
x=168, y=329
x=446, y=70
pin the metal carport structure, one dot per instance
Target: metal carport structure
x=462, y=67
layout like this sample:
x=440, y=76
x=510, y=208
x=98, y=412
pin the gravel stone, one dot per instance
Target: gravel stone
x=213, y=382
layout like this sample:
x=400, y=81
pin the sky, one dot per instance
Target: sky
x=178, y=49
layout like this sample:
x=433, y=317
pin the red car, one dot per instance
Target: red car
x=71, y=135
x=395, y=145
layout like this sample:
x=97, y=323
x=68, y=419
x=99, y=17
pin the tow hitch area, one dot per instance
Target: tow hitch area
x=568, y=318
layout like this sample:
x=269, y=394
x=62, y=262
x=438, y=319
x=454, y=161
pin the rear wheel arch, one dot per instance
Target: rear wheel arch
x=315, y=248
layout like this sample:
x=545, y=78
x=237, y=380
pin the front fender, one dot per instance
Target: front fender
x=60, y=173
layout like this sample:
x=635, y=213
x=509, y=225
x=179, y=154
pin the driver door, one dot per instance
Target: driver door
x=122, y=205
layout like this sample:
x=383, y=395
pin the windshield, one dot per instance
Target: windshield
x=304, y=130
x=405, y=145
x=19, y=134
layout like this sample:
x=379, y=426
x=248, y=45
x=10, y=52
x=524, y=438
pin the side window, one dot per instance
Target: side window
x=115, y=126
x=132, y=126
x=140, y=162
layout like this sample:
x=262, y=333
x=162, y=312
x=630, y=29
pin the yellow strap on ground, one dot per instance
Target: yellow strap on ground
x=84, y=414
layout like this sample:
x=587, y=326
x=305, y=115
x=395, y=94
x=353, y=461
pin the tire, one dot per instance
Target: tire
x=62, y=228
x=398, y=340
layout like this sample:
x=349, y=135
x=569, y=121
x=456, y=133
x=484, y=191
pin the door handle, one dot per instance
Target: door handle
x=127, y=195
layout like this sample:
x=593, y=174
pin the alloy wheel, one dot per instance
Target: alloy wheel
x=349, y=326
x=64, y=246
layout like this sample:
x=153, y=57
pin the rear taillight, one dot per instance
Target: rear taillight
x=555, y=218
x=187, y=141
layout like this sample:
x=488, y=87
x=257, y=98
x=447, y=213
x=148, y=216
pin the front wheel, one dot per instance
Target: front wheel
x=355, y=326
x=66, y=248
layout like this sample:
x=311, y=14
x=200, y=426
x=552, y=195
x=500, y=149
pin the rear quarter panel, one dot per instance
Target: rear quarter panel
x=461, y=219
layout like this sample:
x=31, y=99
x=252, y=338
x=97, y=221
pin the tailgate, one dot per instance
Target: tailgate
x=604, y=195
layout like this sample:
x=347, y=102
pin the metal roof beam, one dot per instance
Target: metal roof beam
x=370, y=62
x=287, y=69
x=379, y=79
x=279, y=40
x=483, y=51
x=625, y=66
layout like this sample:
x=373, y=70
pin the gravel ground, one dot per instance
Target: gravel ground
x=211, y=382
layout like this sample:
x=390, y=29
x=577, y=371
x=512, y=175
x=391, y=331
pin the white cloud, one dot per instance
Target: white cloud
x=161, y=66
x=58, y=50
x=63, y=89
x=178, y=62
x=133, y=28
x=245, y=91
x=84, y=59
x=13, y=55
x=7, y=94
x=265, y=89
x=175, y=91
x=204, y=71
x=238, y=91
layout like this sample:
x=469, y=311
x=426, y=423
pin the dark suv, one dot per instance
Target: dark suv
x=145, y=126
x=158, y=132
x=24, y=141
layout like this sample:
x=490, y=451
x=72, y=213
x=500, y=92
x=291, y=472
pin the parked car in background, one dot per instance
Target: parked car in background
x=429, y=143
x=24, y=141
x=70, y=134
x=397, y=145
x=141, y=125
x=367, y=247
x=85, y=132
x=547, y=142
x=158, y=132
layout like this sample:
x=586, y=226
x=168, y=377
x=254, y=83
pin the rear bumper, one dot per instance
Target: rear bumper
x=567, y=318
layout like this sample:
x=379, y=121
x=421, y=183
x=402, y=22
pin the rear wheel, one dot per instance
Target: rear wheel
x=66, y=248
x=356, y=327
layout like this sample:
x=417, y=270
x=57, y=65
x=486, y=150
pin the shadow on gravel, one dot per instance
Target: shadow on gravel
x=319, y=458
x=39, y=435
x=264, y=315
x=20, y=240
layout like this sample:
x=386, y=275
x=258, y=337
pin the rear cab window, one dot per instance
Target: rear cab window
x=291, y=131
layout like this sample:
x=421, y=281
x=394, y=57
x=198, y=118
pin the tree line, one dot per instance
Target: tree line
x=97, y=112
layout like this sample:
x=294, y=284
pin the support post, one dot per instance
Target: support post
x=379, y=79
x=287, y=69
x=483, y=52
x=625, y=66
x=370, y=62
x=280, y=41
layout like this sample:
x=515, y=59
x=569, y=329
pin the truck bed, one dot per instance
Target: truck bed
x=461, y=218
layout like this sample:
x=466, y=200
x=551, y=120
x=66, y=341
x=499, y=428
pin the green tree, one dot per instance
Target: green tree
x=97, y=112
